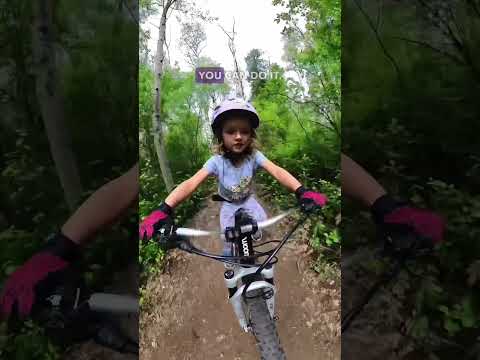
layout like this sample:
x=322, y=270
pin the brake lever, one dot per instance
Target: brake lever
x=173, y=240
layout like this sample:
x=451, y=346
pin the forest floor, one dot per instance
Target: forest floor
x=187, y=314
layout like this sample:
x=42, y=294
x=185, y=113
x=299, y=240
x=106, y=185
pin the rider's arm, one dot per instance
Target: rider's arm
x=358, y=183
x=186, y=188
x=103, y=207
x=282, y=175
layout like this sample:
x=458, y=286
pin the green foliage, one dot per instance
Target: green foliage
x=325, y=238
x=24, y=177
x=401, y=122
x=328, y=271
x=446, y=302
x=300, y=129
x=93, y=44
x=151, y=257
x=30, y=343
x=185, y=107
x=255, y=65
x=317, y=55
x=452, y=299
x=463, y=315
x=323, y=233
x=16, y=247
x=100, y=81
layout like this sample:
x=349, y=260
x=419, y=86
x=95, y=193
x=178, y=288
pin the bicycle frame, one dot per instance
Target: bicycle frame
x=240, y=280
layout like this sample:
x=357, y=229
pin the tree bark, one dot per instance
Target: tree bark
x=157, y=122
x=51, y=103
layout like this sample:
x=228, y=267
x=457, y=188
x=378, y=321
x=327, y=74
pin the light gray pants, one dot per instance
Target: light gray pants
x=227, y=216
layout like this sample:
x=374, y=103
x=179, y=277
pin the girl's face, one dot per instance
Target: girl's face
x=236, y=134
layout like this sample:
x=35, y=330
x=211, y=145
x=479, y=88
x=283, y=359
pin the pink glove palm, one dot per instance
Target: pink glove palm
x=38, y=276
x=310, y=200
x=424, y=222
x=429, y=225
x=20, y=286
x=155, y=221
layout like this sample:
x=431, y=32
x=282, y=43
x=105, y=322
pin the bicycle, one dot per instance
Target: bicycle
x=251, y=286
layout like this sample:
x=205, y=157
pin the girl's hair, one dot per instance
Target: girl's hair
x=220, y=149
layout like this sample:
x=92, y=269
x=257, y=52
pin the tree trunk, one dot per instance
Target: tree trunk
x=157, y=123
x=239, y=92
x=50, y=101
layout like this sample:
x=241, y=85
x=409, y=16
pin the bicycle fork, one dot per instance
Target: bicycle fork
x=236, y=280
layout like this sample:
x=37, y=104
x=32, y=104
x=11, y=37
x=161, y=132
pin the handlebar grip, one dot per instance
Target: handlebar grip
x=114, y=303
x=191, y=232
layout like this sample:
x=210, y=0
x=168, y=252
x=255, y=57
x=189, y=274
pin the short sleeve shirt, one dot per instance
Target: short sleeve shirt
x=234, y=183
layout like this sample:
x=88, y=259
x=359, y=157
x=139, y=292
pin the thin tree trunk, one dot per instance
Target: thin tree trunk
x=157, y=123
x=50, y=101
x=237, y=71
x=231, y=45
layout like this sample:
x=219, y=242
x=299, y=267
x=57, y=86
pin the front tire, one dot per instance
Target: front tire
x=263, y=328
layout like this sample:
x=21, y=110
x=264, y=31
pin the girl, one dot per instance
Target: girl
x=235, y=164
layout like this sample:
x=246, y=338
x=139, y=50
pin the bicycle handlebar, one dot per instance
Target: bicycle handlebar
x=179, y=238
x=243, y=229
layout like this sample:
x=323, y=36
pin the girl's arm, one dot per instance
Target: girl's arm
x=358, y=183
x=103, y=207
x=186, y=188
x=282, y=175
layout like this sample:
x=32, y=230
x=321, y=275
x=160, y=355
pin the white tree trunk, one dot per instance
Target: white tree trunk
x=157, y=123
x=51, y=102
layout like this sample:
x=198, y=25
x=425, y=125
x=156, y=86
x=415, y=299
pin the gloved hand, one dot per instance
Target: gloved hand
x=38, y=277
x=160, y=218
x=391, y=215
x=309, y=200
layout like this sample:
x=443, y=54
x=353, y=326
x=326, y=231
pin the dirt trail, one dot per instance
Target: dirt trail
x=189, y=316
x=374, y=334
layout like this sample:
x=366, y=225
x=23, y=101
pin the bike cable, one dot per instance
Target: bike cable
x=224, y=258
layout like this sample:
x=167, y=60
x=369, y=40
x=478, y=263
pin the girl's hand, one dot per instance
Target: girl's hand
x=389, y=213
x=155, y=221
x=309, y=200
x=38, y=277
